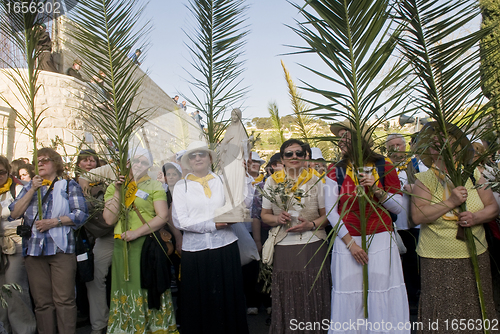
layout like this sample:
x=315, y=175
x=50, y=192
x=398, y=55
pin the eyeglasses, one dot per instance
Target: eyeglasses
x=201, y=154
x=3, y=172
x=142, y=162
x=298, y=154
x=43, y=161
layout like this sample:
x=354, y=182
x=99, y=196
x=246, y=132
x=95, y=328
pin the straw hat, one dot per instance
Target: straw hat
x=195, y=146
x=426, y=140
x=335, y=128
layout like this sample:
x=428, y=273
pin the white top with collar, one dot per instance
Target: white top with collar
x=193, y=213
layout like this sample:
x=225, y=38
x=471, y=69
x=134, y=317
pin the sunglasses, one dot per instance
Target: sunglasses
x=43, y=161
x=3, y=172
x=201, y=154
x=142, y=162
x=298, y=154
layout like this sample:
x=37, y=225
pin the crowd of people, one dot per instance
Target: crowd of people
x=319, y=259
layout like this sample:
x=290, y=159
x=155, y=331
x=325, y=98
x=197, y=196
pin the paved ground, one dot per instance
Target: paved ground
x=256, y=324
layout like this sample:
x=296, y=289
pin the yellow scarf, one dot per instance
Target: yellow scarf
x=6, y=186
x=132, y=190
x=320, y=176
x=448, y=186
x=304, y=176
x=258, y=179
x=404, y=166
x=46, y=183
x=350, y=172
x=203, y=181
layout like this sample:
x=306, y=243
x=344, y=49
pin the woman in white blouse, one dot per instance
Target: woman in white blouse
x=212, y=288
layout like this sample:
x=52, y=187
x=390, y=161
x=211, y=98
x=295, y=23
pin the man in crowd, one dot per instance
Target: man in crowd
x=74, y=70
x=44, y=50
x=396, y=151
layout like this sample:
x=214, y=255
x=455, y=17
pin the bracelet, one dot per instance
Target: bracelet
x=59, y=222
x=314, y=226
x=349, y=245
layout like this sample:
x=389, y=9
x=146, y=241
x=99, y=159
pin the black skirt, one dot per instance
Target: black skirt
x=212, y=292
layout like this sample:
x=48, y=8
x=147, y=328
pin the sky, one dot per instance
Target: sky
x=168, y=58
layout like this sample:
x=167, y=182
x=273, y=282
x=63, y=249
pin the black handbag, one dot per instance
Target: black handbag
x=84, y=257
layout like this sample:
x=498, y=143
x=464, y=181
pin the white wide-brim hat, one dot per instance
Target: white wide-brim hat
x=255, y=156
x=195, y=146
x=316, y=154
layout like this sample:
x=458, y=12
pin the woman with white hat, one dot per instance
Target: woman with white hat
x=212, y=288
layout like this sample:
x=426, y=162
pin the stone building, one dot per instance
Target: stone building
x=60, y=97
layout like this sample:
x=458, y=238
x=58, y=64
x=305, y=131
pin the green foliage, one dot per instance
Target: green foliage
x=303, y=121
x=216, y=47
x=24, y=32
x=355, y=41
x=276, y=122
x=490, y=61
x=490, y=55
x=106, y=32
x=446, y=64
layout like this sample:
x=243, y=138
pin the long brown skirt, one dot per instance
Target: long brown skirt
x=449, y=294
x=297, y=300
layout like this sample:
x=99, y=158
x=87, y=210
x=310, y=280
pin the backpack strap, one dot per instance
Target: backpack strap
x=380, y=165
x=473, y=179
x=340, y=175
x=13, y=188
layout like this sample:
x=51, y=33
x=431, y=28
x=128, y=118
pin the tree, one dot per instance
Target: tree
x=216, y=48
x=276, y=122
x=490, y=54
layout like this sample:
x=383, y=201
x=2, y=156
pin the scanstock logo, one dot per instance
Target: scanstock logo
x=20, y=13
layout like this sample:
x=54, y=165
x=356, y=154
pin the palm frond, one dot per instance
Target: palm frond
x=24, y=33
x=355, y=39
x=276, y=121
x=302, y=120
x=216, y=47
x=446, y=62
x=105, y=33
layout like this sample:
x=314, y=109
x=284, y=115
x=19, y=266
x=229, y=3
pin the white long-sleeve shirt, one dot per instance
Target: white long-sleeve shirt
x=193, y=213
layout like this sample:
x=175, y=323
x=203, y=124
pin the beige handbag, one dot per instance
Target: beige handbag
x=268, y=247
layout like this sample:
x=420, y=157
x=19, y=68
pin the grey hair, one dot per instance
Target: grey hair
x=392, y=136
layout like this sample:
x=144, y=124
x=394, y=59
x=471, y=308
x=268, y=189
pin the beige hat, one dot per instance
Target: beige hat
x=195, y=146
x=347, y=125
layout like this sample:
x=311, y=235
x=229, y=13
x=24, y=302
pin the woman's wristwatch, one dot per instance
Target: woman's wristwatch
x=59, y=222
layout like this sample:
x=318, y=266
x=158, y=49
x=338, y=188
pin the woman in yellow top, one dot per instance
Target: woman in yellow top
x=129, y=311
x=300, y=292
x=448, y=290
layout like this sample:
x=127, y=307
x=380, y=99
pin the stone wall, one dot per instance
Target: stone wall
x=60, y=97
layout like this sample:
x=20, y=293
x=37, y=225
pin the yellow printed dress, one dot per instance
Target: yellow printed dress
x=129, y=312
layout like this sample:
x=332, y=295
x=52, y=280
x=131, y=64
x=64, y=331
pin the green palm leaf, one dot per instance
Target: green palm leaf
x=216, y=48
x=106, y=32
x=302, y=120
x=276, y=121
x=446, y=62
x=23, y=33
x=355, y=41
